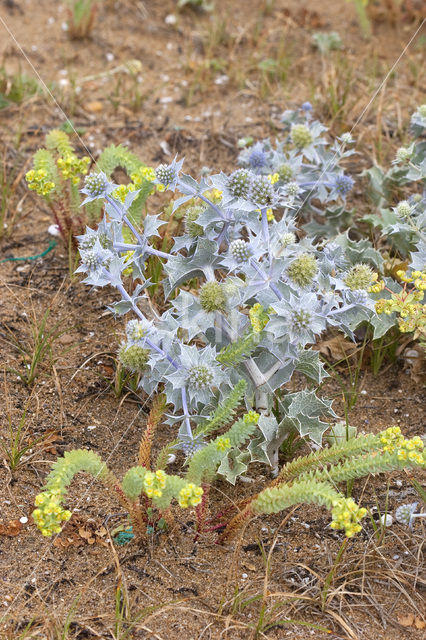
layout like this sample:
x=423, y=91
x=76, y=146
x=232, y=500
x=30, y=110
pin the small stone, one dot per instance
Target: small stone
x=171, y=19
x=23, y=520
x=244, y=576
x=386, y=520
x=53, y=230
x=109, y=56
x=364, y=392
x=91, y=426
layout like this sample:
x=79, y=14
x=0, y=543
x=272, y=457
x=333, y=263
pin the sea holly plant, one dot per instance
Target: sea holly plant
x=264, y=296
x=307, y=167
x=403, y=221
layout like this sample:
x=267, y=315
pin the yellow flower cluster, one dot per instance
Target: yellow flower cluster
x=376, y=288
x=411, y=450
x=154, y=483
x=408, y=303
x=273, y=178
x=49, y=512
x=190, y=496
x=128, y=270
x=347, y=515
x=38, y=182
x=122, y=190
x=222, y=444
x=258, y=317
x=251, y=417
x=145, y=174
x=72, y=167
x=214, y=195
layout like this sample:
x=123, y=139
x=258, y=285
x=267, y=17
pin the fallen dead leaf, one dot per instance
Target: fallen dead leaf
x=12, y=528
x=337, y=348
x=94, y=107
x=406, y=620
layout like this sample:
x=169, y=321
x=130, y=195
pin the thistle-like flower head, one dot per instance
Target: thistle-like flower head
x=286, y=172
x=257, y=158
x=261, y=192
x=360, y=276
x=343, y=185
x=402, y=156
x=191, y=216
x=97, y=185
x=166, y=175
x=404, y=514
x=212, y=297
x=133, y=357
x=301, y=136
x=287, y=239
x=94, y=258
x=403, y=209
x=200, y=377
x=239, y=183
x=303, y=270
x=136, y=330
x=240, y=250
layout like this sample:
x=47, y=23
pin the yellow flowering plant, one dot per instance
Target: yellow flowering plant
x=408, y=304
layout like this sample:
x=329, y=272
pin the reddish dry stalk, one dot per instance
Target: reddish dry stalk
x=236, y=524
x=154, y=418
x=139, y=526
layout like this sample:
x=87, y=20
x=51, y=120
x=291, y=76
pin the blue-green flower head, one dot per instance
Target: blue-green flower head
x=343, y=185
x=403, y=209
x=97, y=185
x=292, y=189
x=212, y=297
x=95, y=258
x=257, y=158
x=200, y=377
x=404, y=514
x=240, y=250
x=133, y=357
x=167, y=175
x=239, y=183
x=301, y=136
x=298, y=320
x=189, y=445
x=346, y=138
x=303, y=270
x=261, y=192
x=136, y=330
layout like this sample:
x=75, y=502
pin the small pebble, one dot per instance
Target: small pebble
x=395, y=557
x=386, y=520
x=91, y=426
x=23, y=520
x=364, y=392
x=244, y=576
x=171, y=459
x=109, y=56
x=223, y=79
x=170, y=19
